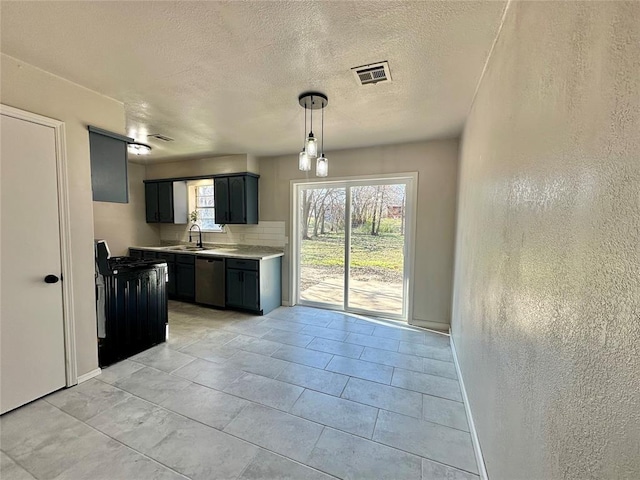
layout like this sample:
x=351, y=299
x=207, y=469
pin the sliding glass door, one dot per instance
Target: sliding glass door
x=322, y=240
x=350, y=244
x=376, y=257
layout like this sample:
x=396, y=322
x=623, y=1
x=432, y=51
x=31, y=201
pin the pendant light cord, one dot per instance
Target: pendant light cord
x=304, y=134
x=322, y=131
x=311, y=108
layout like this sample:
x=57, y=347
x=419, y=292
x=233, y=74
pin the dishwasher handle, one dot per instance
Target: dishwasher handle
x=209, y=259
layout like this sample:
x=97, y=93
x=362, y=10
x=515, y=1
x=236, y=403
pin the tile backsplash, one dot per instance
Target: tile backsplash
x=269, y=234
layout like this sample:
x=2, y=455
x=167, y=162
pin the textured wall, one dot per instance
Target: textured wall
x=34, y=90
x=546, y=311
x=437, y=165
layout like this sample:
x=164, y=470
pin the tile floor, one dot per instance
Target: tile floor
x=298, y=394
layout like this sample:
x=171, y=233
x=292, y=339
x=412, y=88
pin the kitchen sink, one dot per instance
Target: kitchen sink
x=188, y=248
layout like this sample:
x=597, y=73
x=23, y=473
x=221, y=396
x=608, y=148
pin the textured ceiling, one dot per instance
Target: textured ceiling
x=224, y=77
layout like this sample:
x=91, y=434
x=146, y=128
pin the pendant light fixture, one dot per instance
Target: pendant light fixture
x=312, y=143
x=322, y=164
x=313, y=101
x=304, y=162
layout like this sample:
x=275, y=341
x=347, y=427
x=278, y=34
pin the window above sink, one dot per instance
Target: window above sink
x=202, y=201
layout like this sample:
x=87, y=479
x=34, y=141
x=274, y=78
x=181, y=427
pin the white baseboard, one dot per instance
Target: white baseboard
x=286, y=304
x=89, y=375
x=472, y=427
x=437, y=326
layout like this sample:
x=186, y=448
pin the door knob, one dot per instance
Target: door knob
x=51, y=279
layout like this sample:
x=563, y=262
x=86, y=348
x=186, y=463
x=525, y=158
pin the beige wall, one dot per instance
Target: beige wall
x=34, y=90
x=546, y=317
x=124, y=224
x=437, y=166
x=203, y=166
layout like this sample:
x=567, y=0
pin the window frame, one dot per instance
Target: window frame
x=194, y=194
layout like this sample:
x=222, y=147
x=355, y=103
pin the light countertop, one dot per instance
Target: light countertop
x=252, y=252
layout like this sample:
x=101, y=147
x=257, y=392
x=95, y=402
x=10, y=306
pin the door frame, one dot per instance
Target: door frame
x=410, y=232
x=71, y=367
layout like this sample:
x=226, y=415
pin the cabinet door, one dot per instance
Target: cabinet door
x=251, y=199
x=250, y=291
x=108, y=167
x=170, y=258
x=185, y=281
x=237, y=200
x=171, y=283
x=234, y=287
x=151, y=201
x=165, y=202
x=221, y=198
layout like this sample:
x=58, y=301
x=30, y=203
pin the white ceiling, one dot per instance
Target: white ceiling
x=224, y=77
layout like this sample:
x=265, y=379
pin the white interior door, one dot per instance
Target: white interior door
x=31, y=310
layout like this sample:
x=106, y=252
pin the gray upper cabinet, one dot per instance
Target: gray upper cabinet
x=236, y=199
x=221, y=199
x=166, y=201
x=109, y=181
x=151, y=202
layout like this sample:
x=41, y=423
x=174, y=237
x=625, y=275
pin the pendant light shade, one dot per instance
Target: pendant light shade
x=322, y=166
x=312, y=146
x=304, y=162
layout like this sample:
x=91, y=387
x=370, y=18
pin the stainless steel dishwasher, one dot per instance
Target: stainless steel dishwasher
x=210, y=284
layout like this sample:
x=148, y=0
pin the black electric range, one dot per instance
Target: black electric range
x=131, y=298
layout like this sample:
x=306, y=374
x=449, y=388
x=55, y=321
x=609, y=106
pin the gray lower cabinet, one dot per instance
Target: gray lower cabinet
x=147, y=255
x=186, y=277
x=254, y=285
x=181, y=281
x=243, y=290
x=250, y=285
x=170, y=258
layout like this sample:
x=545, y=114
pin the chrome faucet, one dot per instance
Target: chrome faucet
x=199, y=244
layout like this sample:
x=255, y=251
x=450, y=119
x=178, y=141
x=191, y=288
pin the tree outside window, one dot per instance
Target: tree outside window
x=205, y=206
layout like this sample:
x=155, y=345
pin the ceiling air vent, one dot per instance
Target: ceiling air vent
x=372, y=73
x=164, y=138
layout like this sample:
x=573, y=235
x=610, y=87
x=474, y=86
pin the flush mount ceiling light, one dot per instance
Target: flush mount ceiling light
x=139, y=148
x=313, y=101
